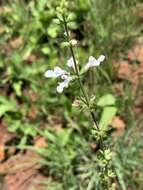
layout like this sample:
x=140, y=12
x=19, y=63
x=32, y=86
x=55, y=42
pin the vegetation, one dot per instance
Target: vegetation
x=31, y=42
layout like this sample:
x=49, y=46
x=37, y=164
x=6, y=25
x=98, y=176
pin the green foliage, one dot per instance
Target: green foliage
x=107, y=102
x=6, y=105
x=103, y=26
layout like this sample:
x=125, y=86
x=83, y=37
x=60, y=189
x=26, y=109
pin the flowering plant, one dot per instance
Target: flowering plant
x=104, y=154
x=66, y=76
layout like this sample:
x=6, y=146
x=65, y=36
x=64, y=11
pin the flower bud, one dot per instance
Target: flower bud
x=73, y=42
x=64, y=44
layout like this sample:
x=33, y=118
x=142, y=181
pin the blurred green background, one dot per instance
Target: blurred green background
x=30, y=43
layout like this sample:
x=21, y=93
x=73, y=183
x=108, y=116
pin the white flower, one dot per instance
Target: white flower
x=94, y=62
x=57, y=72
x=64, y=84
x=70, y=63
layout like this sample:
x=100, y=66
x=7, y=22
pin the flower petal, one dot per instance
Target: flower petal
x=94, y=62
x=101, y=58
x=64, y=84
x=91, y=62
x=60, y=88
x=59, y=72
x=49, y=74
x=70, y=63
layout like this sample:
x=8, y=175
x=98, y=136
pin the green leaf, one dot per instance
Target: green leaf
x=72, y=25
x=107, y=116
x=13, y=125
x=6, y=105
x=65, y=44
x=119, y=173
x=83, y=4
x=64, y=136
x=46, y=50
x=106, y=100
x=53, y=30
x=17, y=88
x=49, y=136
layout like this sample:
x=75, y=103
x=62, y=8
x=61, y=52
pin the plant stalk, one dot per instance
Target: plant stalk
x=80, y=82
x=87, y=101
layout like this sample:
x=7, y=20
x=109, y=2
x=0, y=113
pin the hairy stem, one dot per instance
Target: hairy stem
x=80, y=82
x=87, y=101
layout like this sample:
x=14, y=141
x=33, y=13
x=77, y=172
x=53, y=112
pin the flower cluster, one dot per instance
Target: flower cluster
x=66, y=76
x=63, y=74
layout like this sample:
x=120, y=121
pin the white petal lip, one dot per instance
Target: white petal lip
x=101, y=58
x=59, y=88
x=50, y=74
x=64, y=84
x=94, y=62
x=70, y=63
x=57, y=72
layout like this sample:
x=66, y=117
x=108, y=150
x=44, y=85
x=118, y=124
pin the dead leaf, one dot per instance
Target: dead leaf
x=3, y=91
x=118, y=123
x=139, y=11
x=2, y=152
x=93, y=146
x=19, y=181
x=55, y=122
x=15, y=43
x=137, y=110
x=139, y=101
x=2, y=29
x=5, y=136
x=124, y=70
x=136, y=52
x=1, y=9
x=136, y=76
x=31, y=94
x=31, y=58
x=138, y=107
x=22, y=172
x=32, y=113
x=20, y=162
x=40, y=142
x=11, y=150
x=25, y=180
x=119, y=89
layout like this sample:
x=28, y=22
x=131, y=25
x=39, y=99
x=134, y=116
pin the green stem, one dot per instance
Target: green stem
x=79, y=80
x=87, y=102
x=75, y=63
